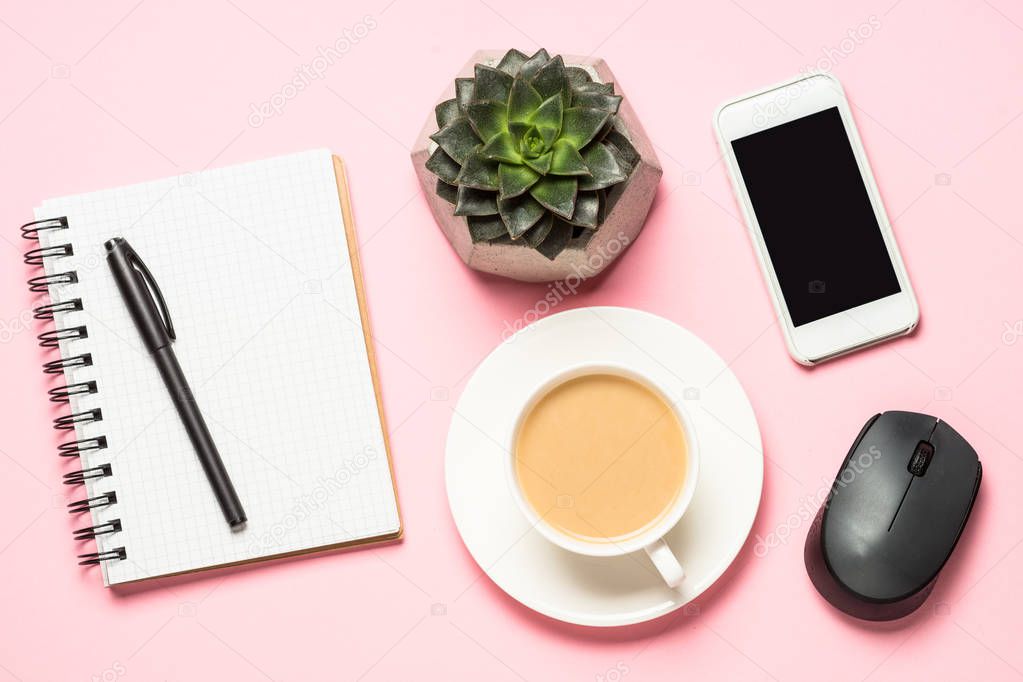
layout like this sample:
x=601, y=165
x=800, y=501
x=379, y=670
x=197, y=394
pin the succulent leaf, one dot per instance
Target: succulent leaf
x=520, y=213
x=557, y=194
x=512, y=61
x=550, y=80
x=566, y=160
x=587, y=210
x=522, y=101
x=541, y=164
x=549, y=134
x=502, y=147
x=514, y=180
x=624, y=152
x=457, y=139
x=478, y=172
x=604, y=168
x=581, y=124
x=596, y=88
x=592, y=100
x=532, y=65
x=448, y=193
x=559, y=237
x=475, y=202
x=577, y=76
x=485, y=228
x=535, y=235
x=518, y=129
x=488, y=118
x=548, y=114
x=491, y=84
x=463, y=93
x=446, y=112
x=443, y=166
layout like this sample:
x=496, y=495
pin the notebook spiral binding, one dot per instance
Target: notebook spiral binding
x=72, y=391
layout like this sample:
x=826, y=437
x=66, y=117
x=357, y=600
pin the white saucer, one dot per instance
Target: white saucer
x=590, y=590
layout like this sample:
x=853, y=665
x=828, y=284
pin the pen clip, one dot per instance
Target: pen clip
x=154, y=288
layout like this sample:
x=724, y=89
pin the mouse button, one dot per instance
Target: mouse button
x=869, y=488
x=895, y=436
x=953, y=449
x=928, y=524
x=909, y=424
x=944, y=495
x=886, y=452
x=953, y=468
x=859, y=438
x=880, y=457
x=937, y=504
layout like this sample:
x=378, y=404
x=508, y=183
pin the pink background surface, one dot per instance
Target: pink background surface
x=97, y=95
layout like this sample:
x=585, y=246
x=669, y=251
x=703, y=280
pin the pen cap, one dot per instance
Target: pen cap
x=139, y=292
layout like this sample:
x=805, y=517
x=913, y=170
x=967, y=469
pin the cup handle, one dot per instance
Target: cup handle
x=666, y=562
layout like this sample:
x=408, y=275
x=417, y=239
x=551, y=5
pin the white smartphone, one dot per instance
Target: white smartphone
x=815, y=218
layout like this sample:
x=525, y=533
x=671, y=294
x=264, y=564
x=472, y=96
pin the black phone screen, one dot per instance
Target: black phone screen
x=821, y=233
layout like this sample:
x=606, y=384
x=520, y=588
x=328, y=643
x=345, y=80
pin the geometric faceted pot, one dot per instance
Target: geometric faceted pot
x=623, y=206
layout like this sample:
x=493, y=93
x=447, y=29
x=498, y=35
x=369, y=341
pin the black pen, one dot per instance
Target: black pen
x=145, y=303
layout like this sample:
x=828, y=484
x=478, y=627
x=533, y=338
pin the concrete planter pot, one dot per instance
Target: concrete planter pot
x=589, y=253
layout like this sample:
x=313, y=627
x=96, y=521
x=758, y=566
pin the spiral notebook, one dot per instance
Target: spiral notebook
x=259, y=267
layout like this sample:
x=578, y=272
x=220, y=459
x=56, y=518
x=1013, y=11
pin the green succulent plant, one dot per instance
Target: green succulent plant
x=528, y=150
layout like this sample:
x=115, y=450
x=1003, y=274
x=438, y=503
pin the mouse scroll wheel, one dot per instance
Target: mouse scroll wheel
x=921, y=458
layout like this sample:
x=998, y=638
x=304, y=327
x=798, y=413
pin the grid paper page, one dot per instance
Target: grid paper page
x=254, y=264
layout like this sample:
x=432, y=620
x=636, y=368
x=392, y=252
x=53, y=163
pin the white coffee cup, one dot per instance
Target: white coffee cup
x=649, y=539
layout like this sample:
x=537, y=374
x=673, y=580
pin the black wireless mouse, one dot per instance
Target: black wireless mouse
x=895, y=513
